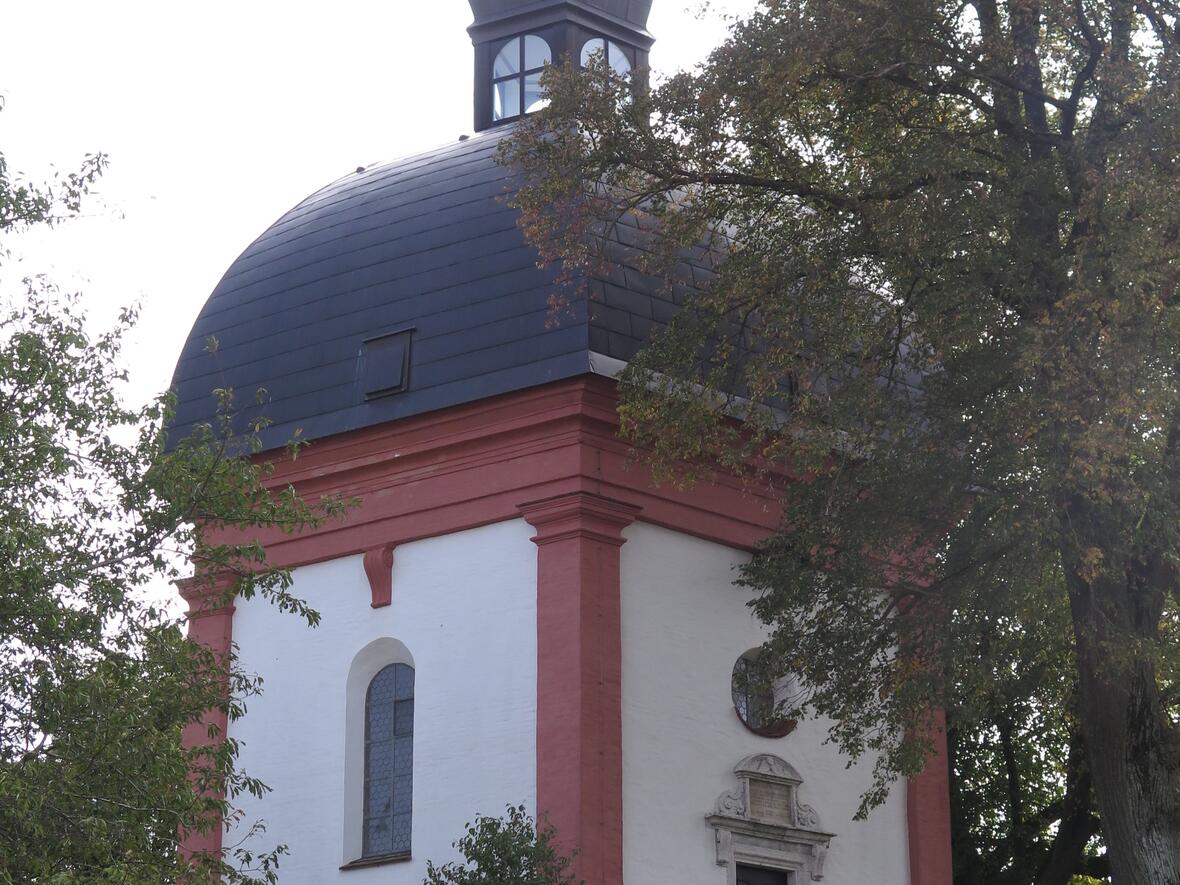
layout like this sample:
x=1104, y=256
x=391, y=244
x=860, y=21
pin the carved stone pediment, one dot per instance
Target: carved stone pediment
x=762, y=822
x=766, y=767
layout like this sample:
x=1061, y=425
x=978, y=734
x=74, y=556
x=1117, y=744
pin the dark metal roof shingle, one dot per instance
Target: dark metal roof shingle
x=425, y=243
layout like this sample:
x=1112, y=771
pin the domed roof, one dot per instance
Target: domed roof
x=395, y=291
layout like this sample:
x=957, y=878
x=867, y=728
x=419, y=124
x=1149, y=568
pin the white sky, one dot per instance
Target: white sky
x=218, y=116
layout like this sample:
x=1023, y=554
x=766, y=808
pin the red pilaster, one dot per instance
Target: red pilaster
x=928, y=815
x=210, y=623
x=579, y=676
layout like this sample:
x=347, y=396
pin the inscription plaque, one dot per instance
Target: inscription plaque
x=771, y=802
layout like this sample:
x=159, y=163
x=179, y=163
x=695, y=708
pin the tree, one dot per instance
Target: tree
x=508, y=850
x=1022, y=807
x=943, y=250
x=97, y=680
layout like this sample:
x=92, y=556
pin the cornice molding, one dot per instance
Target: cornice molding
x=473, y=465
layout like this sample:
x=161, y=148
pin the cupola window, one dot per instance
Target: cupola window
x=515, y=39
x=516, y=77
x=614, y=54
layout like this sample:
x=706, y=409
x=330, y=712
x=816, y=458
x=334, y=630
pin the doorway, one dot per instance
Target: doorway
x=760, y=876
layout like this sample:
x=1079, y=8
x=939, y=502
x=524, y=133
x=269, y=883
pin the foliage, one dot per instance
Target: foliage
x=509, y=850
x=97, y=680
x=23, y=203
x=937, y=245
x=1021, y=795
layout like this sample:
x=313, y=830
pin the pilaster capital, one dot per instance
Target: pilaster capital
x=579, y=515
x=208, y=594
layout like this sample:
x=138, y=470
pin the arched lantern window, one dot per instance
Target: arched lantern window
x=389, y=762
x=614, y=54
x=516, y=77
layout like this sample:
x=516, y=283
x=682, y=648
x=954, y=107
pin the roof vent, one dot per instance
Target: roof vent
x=385, y=364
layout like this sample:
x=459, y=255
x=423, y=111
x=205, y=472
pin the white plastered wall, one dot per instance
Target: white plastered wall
x=684, y=625
x=464, y=606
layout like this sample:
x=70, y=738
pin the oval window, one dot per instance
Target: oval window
x=756, y=696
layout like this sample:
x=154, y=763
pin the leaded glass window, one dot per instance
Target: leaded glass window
x=389, y=762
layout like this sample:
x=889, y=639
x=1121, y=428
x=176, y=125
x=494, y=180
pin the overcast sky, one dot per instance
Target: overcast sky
x=218, y=116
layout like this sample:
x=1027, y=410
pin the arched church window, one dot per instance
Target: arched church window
x=756, y=697
x=516, y=77
x=614, y=54
x=389, y=762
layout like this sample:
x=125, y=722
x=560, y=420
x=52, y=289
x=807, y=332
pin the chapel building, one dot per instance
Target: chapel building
x=515, y=613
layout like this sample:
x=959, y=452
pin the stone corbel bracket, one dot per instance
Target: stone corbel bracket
x=763, y=823
x=379, y=570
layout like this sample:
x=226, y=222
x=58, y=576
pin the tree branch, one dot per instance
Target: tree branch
x=1069, y=113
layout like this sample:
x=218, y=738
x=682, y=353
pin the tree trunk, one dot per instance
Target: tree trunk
x=1132, y=745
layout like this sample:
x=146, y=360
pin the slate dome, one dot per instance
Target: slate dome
x=408, y=287
x=398, y=290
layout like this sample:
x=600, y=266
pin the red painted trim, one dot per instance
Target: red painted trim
x=378, y=564
x=210, y=623
x=579, y=677
x=472, y=465
x=928, y=815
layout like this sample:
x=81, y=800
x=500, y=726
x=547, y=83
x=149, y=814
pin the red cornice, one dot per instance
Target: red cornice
x=473, y=465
